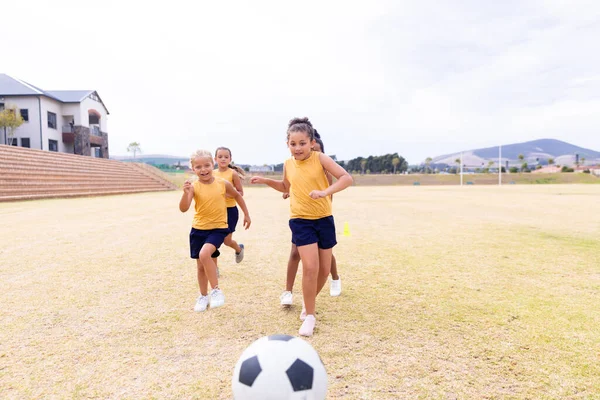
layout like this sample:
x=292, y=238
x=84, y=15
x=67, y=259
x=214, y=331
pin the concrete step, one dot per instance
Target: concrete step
x=38, y=196
x=36, y=174
x=81, y=184
x=26, y=166
x=30, y=164
x=29, y=179
x=79, y=189
x=52, y=155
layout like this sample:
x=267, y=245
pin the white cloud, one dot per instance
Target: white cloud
x=420, y=78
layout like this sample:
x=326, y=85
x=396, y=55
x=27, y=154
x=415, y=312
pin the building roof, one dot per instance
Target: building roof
x=546, y=169
x=70, y=96
x=10, y=86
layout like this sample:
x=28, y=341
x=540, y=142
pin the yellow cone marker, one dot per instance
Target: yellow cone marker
x=346, y=229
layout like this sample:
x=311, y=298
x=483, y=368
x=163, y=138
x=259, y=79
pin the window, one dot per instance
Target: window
x=25, y=142
x=24, y=114
x=52, y=145
x=51, y=120
x=13, y=141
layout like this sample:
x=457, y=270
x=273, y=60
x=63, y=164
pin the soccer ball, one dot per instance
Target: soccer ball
x=279, y=367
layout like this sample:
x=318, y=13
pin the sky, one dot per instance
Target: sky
x=421, y=78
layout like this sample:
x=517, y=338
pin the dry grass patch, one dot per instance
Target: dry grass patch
x=448, y=180
x=473, y=292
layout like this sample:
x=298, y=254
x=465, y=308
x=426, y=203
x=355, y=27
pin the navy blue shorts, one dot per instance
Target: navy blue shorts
x=232, y=218
x=309, y=231
x=213, y=236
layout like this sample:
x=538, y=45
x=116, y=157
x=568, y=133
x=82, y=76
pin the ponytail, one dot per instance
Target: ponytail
x=239, y=170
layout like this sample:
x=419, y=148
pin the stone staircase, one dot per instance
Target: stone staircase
x=27, y=174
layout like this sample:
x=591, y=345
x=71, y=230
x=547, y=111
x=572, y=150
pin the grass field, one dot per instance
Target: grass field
x=452, y=179
x=479, y=292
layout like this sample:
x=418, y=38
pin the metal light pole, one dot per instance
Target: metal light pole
x=461, y=169
x=500, y=166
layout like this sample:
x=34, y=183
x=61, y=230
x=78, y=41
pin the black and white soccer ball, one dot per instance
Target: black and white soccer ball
x=279, y=367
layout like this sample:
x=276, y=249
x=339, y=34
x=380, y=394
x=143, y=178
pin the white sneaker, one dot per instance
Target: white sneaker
x=335, y=288
x=240, y=256
x=217, y=298
x=286, y=298
x=308, y=326
x=201, y=303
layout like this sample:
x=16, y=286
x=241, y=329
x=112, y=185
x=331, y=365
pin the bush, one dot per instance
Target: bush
x=513, y=170
x=545, y=180
x=566, y=169
x=586, y=171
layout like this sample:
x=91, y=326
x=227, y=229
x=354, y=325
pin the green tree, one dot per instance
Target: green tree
x=395, y=162
x=550, y=161
x=582, y=160
x=403, y=166
x=457, y=161
x=375, y=164
x=10, y=120
x=428, y=161
x=134, y=147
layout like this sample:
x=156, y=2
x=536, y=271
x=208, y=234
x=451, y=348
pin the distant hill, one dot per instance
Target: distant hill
x=155, y=159
x=159, y=159
x=535, y=151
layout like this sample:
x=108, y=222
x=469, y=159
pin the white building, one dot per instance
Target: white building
x=67, y=121
x=261, y=168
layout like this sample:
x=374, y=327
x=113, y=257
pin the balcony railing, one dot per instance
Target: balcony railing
x=95, y=130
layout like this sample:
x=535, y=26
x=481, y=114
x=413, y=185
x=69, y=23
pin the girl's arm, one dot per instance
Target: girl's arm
x=329, y=180
x=343, y=177
x=230, y=190
x=237, y=183
x=186, y=197
x=281, y=186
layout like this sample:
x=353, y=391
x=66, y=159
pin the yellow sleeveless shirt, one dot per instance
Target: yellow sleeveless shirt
x=228, y=176
x=209, y=199
x=304, y=177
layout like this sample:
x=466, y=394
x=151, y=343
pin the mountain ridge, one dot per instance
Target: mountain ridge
x=536, y=151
